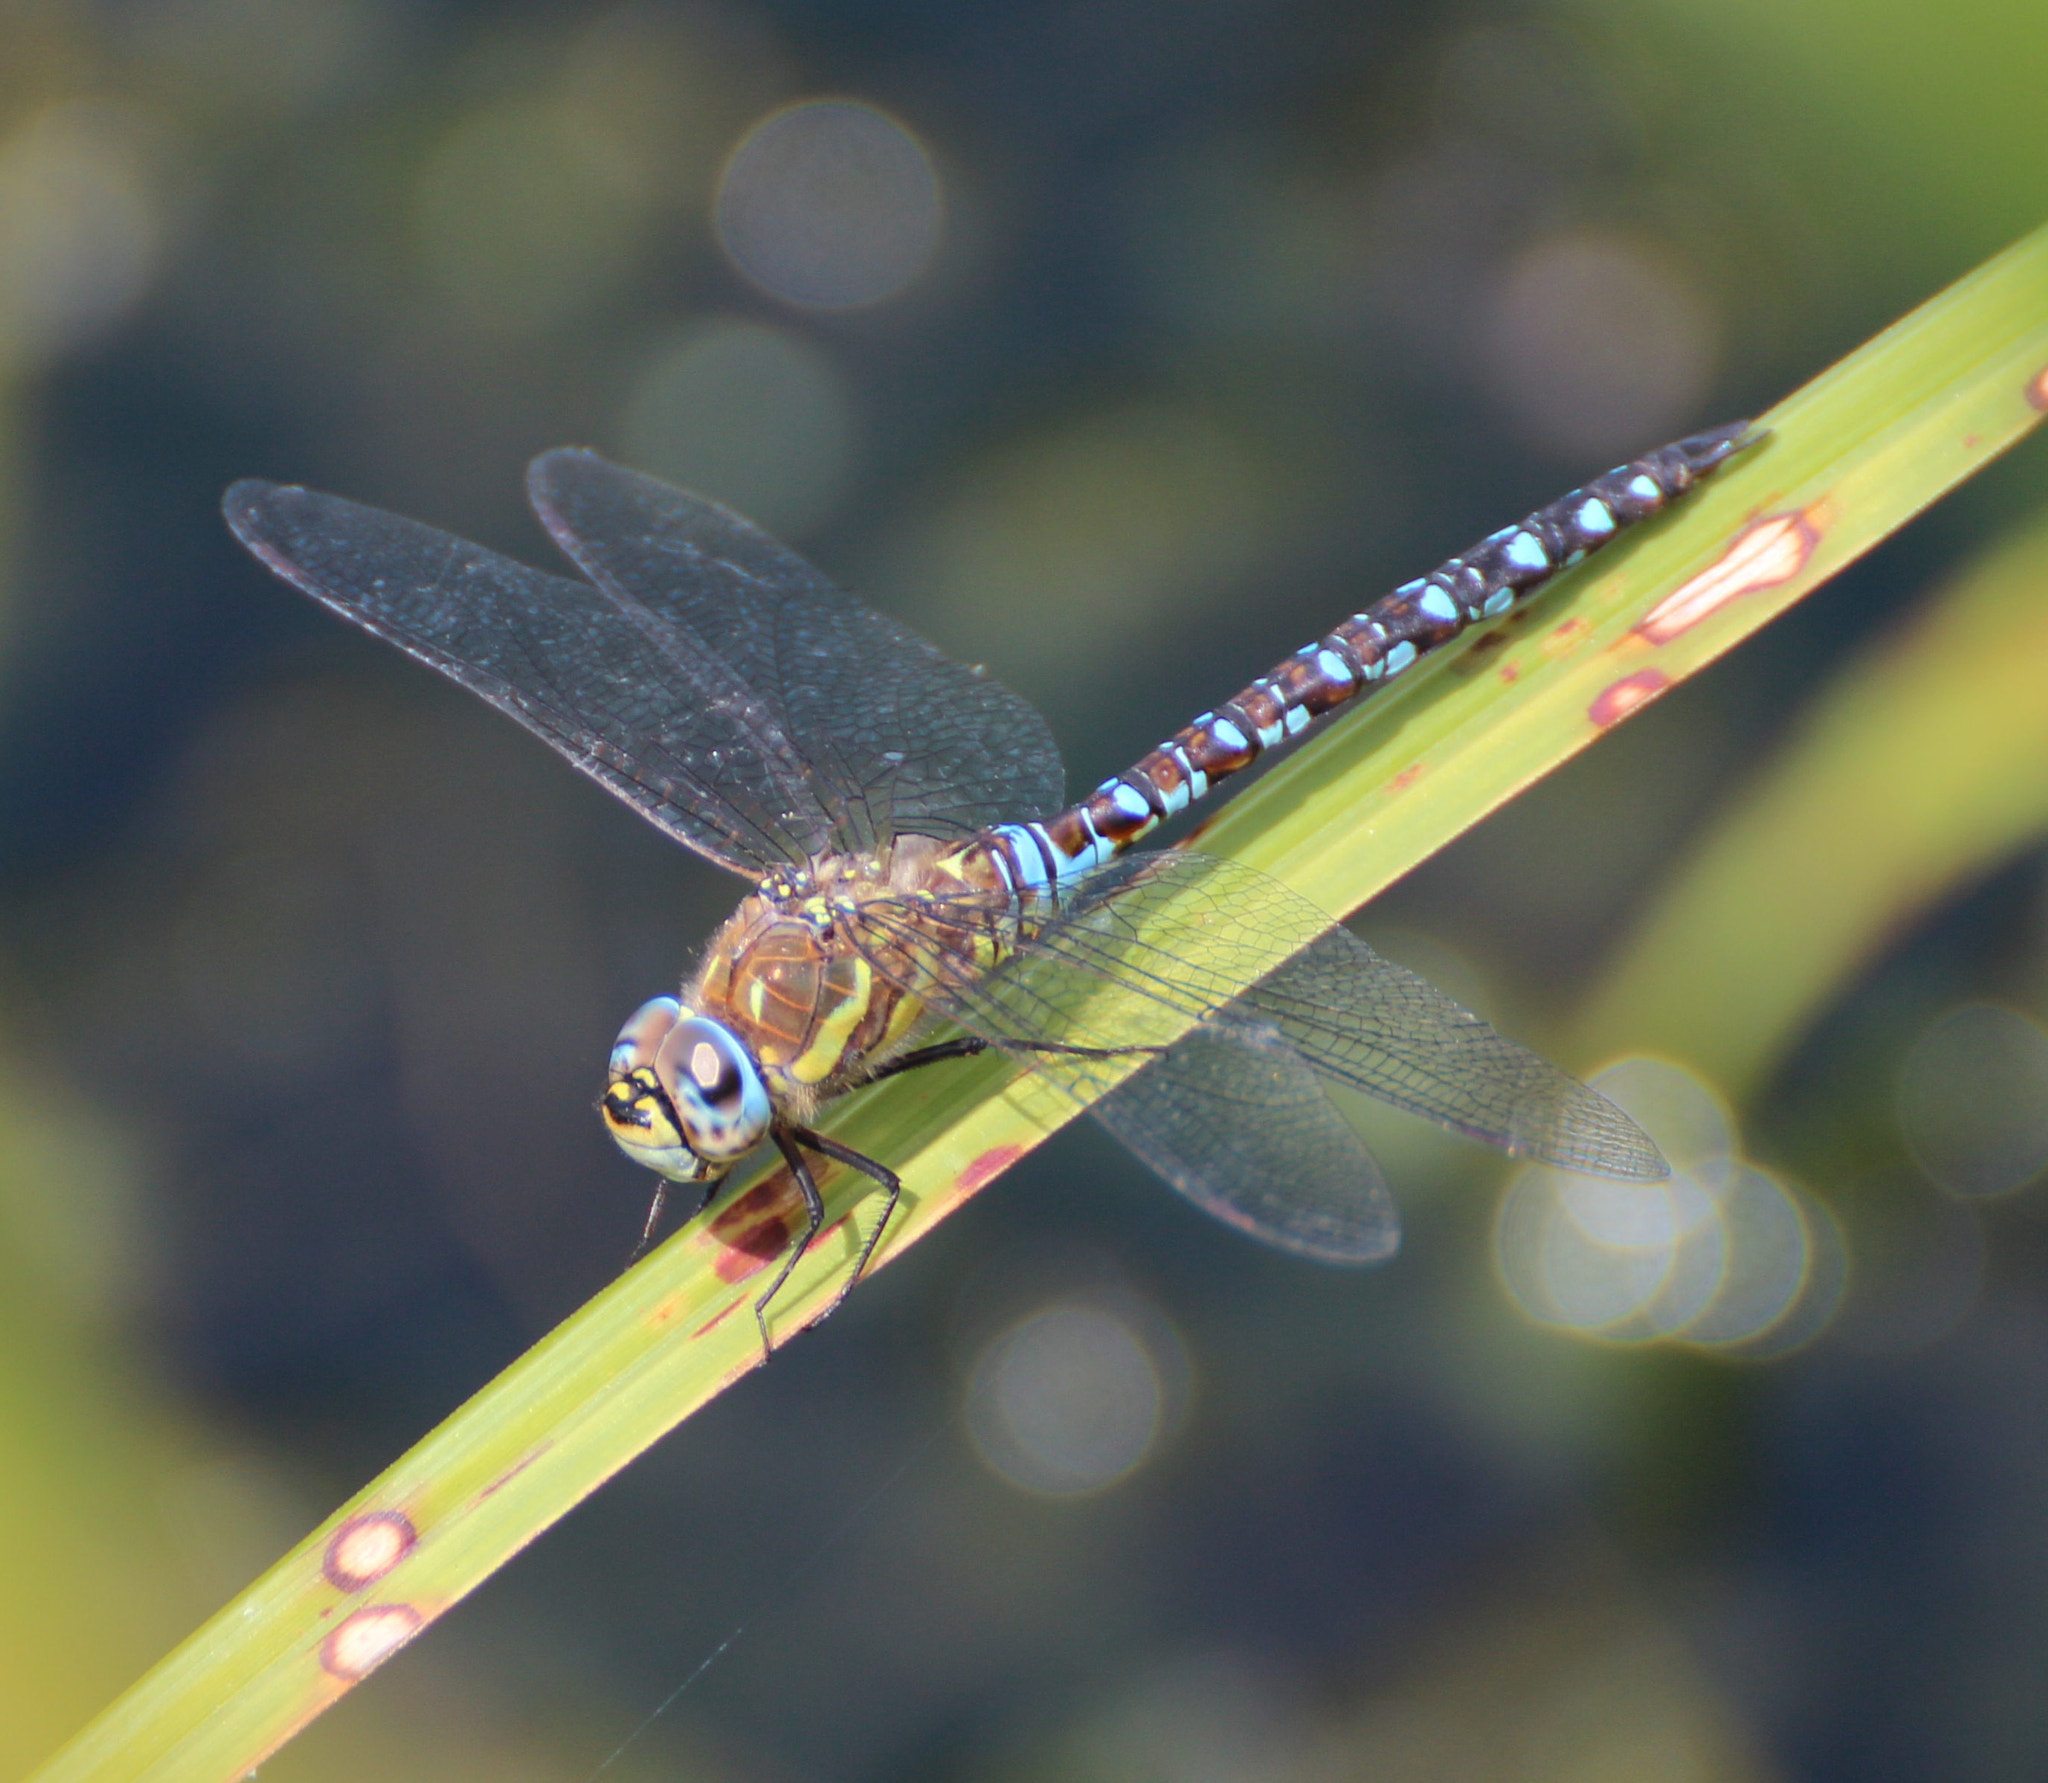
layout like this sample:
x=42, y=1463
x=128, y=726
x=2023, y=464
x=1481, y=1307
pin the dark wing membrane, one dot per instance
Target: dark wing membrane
x=1236, y=1120
x=635, y=701
x=1156, y=941
x=899, y=737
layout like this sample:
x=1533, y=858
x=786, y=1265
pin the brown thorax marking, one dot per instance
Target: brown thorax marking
x=784, y=975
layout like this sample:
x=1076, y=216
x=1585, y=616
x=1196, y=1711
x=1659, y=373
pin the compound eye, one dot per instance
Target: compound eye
x=704, y=1062
x=638, y=1110
x=717, y=1089
x=640, y=1039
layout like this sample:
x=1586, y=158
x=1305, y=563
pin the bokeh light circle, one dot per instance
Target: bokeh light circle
x=79, y=237
x=1595, y=339
x=1068, y=1400
x=832, y=204
x=1973, y=1100
x=1630, y=1259
x=1770, y=1251
x=1778, y=1322
x=1721, y=1254
x=519, y=219
x=754, y=416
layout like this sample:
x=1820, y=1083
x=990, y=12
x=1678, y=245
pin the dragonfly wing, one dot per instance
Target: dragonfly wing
x=1154, y=942
x=637, y=702
x=1379, y=1027
x=1236, y=1120
x=900, y=737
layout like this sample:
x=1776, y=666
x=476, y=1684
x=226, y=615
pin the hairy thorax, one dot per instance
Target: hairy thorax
x=785, y=973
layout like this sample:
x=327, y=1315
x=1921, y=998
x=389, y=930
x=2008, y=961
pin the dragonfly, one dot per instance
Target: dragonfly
x=917, y=869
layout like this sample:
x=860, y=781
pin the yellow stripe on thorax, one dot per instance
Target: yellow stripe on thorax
x=822, y=1057
x=902, y=1019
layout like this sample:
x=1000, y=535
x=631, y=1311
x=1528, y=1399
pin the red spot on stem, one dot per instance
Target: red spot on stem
x=1566, y=636
x=1631, y=691
x=986, y=1168
x=1762, y=555
x=514, y=1471
x=756, y=1229
x=367, y=1547
x=2037, y=389
x=368, y=1638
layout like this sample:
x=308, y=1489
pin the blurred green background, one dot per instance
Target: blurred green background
x=1120, y=345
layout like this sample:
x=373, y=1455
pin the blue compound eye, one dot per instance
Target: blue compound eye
x=716, y=1088
x=639, y=1112
x=709, y=1065
x=640, y=1039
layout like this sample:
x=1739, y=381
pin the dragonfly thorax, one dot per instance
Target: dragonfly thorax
x=793, y=972
x=787, y=1009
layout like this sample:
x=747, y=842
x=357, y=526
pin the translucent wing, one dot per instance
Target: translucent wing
x=1235, y=1119
x=1380, y=1028
x=899, y=737
x=1154, y=942
x=636, y=701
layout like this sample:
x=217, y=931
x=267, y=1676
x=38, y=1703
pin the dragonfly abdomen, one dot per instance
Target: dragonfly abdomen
x=1358, y=655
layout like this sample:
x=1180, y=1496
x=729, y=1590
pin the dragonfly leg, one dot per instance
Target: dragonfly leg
x=790, y=1141
x=867, y=1166
x=964, y=1048
x=654, y=1213
x=664, y=1188
x=968, y=1046
x=1061, y=1050
x=786, y=1142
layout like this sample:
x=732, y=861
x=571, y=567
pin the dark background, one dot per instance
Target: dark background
x=1237, y=315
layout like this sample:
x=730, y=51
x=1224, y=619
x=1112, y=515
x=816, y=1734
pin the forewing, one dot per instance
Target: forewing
x=900, y=737
x=1155, y=942
x=637, y=702
x=1236, y=1120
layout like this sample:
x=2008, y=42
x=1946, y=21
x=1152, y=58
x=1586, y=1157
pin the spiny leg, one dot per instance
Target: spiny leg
x=654, y=1212
x=1059, y=1049
x=970, y=1045
x=656, y=1208
x=964, y=1048
x=867, y=1166
x=814, y=1206
x=788, y=1141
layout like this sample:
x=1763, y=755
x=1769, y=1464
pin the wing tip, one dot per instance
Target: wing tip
x=1363, y=1254
x=241, y=500
x=551, y=480
x=253, y=510
x=1598, y=1138
x=552, y=476
x=1647, y=1164
x=1624, y=1155
x=541, y=464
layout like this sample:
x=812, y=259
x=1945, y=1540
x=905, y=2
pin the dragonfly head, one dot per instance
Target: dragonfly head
x=685, y=1097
